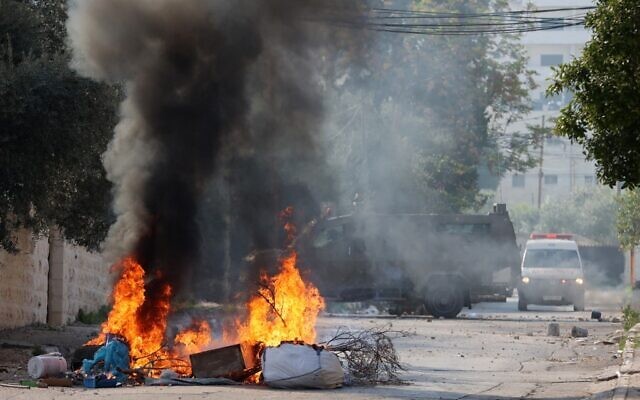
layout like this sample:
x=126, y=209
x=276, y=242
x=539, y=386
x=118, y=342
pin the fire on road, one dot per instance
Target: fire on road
x=493, y=351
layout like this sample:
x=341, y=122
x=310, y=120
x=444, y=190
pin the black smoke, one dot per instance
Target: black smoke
x=209, y=85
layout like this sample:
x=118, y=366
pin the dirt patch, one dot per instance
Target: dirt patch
x=13, y=363
x=18, y=345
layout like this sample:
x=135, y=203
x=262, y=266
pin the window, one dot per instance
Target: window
x=551, y=258
x=547, y=60
x=551, y=179
x=588, y=180
x=517, y=181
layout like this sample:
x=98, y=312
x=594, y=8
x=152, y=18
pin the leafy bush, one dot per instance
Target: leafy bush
x=630, y=317
x=93, y=318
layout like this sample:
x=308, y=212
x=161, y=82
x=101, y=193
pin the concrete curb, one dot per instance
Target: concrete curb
x=628, y=360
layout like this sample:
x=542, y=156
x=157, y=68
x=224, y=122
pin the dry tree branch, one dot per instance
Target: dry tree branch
x=272, y=301
x=370, y=355
x=163, y=346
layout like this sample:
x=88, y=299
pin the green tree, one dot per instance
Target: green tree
x=604, y=114
x=525, y=218
x=589, y=212
x=628, y=219
x=54, y=126
x=430, y=112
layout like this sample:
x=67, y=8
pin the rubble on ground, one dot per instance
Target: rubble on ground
x=578, y=332
x=553, y=329
x=349, y=358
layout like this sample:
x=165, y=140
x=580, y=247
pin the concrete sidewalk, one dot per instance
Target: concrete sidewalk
x=628, y=386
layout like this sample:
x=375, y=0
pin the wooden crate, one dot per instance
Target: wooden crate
x=230, y=361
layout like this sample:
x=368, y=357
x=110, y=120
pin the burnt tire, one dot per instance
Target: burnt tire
x=522, y=303
x=445, y=299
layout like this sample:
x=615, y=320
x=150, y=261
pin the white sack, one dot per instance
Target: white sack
x=301, y=366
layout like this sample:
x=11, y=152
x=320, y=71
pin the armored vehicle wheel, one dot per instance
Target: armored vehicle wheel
x=522, y=303
x=445, y=299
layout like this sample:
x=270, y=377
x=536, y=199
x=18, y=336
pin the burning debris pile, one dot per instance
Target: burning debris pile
x=145, y=338
x=274, y=342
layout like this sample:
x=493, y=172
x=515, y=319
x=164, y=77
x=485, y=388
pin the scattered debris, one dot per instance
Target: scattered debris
x=57, y=382
x=553, y=329
x=46, y=365
x=579, y=332
x=101, y=381
x=596, y=315
x=112, y=358
x=369, y=355
x=616, y=320
x=81, y=353
x=608, y=375
x=612, y=338
x=177, y=381
x=169, y=374
x=236, y=362
x=14, y=386
x=300, y=366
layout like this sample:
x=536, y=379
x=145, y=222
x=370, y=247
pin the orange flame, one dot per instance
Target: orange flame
x=285, y=309
x=194, y=339
x=145, y=330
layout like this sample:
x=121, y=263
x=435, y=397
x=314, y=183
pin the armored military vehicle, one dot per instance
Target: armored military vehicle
x=434, y=264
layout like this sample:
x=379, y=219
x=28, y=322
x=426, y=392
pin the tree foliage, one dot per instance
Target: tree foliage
x=628, y=219
x=590, y=213
x=425, y=113
x=54, y=126
x=604, y=114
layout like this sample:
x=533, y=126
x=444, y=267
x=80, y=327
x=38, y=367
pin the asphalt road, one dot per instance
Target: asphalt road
x=492, y=352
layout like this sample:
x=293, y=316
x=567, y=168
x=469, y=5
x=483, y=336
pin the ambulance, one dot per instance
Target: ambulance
x=551, y=272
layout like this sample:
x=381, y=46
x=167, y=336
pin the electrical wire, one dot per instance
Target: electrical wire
x=449, y=23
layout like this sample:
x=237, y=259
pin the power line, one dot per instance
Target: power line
x=455, y=14
x=447, y=23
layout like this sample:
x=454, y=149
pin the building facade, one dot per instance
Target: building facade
x=563, y=169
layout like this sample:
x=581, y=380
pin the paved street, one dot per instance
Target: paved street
x=492, y=352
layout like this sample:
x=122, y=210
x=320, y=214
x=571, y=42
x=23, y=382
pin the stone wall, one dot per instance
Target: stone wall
x=88, y=278
x=49, y=280
x=23, y=282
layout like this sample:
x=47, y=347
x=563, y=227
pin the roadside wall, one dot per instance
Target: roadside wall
x=23, y=282
x=88, y=279
x=49, y=280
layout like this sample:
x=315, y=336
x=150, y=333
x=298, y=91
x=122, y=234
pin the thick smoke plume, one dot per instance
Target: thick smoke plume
x=204, y=80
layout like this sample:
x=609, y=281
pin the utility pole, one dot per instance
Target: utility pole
x=540, y=173
x=632, y=267
x=572, y=169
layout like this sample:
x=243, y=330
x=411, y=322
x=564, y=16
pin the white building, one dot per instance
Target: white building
x=564, y=168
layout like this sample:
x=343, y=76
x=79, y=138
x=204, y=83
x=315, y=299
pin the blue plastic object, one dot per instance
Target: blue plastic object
x=100, y=381
x=115, y=355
